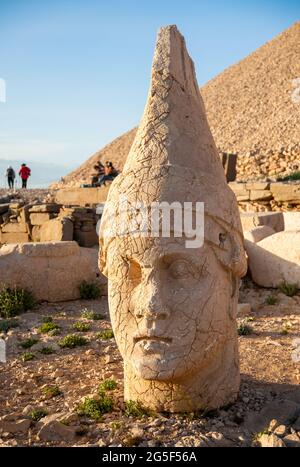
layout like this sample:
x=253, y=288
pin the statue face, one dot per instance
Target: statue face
x=169, y=306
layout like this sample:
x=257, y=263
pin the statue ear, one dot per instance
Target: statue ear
x=230, y=253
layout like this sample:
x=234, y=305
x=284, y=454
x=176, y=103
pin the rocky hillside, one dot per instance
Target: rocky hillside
x=253, y=109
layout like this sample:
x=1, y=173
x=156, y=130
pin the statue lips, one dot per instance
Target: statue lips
x=152, y=344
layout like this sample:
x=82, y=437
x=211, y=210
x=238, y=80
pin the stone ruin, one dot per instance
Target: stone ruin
x=23, y=223
x=173, y=309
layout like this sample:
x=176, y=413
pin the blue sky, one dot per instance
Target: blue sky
x=77, y=72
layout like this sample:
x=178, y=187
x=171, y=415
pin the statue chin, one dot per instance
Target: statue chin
x=155, y=368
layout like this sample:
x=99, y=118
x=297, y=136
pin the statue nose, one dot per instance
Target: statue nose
x=151, y=304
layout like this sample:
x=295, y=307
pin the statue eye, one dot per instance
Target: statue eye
x=180, y=269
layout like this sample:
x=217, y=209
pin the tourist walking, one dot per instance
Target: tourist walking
x=10, y=175
x=24, y=173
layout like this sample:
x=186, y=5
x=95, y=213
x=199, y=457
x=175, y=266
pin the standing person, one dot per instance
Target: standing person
x=10, y=175
x=24, y=173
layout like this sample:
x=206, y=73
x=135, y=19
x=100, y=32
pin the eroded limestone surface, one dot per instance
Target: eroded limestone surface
x=173, y=308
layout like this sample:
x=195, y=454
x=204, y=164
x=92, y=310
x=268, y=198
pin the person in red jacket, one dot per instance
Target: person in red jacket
x=24, y=173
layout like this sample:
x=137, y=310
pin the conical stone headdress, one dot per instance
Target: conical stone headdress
x=174, y=157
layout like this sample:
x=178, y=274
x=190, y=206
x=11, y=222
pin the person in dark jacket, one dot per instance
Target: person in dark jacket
x=10, y=175
x=24, y=173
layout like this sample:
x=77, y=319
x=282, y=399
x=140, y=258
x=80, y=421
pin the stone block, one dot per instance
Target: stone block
x=14, y=237
x=260, y=195
x=286, y=192
x=40, y=218
x=15, y=227
x=56, y=230
x=53, y=271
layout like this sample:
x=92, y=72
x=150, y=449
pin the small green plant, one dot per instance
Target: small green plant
x=289, y=289
x=91, y=315
x=51, y=391
x=95, y=408
x=47, y=319
x=28, y=356
x=105, y=335
x=48, y=327
x=289, y=178
x=81, y=327
x=89, y=290
x=107, y=385
x=72, y=340
x=135, y=409
x=244, y=329
x=286, y=329
x=47, y=350
x=14, y=301
x=28, y=343
x=37, y=414
x=7, y=324
x=272, y=300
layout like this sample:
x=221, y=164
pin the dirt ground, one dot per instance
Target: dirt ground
x=270, y=368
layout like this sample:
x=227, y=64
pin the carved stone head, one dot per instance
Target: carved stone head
x=173, y=308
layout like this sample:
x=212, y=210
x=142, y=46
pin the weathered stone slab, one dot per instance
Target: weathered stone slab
x=260, y=195
x=251, y=220
x=52, y=271
x=40, y=218
x=275, y=259
x=4, y=208
x=258, y=186
x=51, y=207
x=291, y=220
x=258, y=233
x=14, y=237
x=56, y=230
x=15, y=227
x=82, y=196
x=286, y=192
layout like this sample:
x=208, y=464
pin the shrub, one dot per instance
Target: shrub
x=7, y=324
x=107, y=385
x=289, y=289
x=49, y=327
x=292, y=177
x=272, y=300
x=135, y=409
x=47, y=319
x=51, y=391
x=28, y=356
x=95, y=408
x=29, y=343
x=82, y=327
x=91, y=315
x=47, y=350
x=244, y=329
x=14, y=301
x=286, y=329
x=105, y=335
x=89, y=290
x=71, y=341
x=37, y=414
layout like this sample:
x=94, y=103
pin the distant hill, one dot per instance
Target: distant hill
x=42, y=174
x=250, y=111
